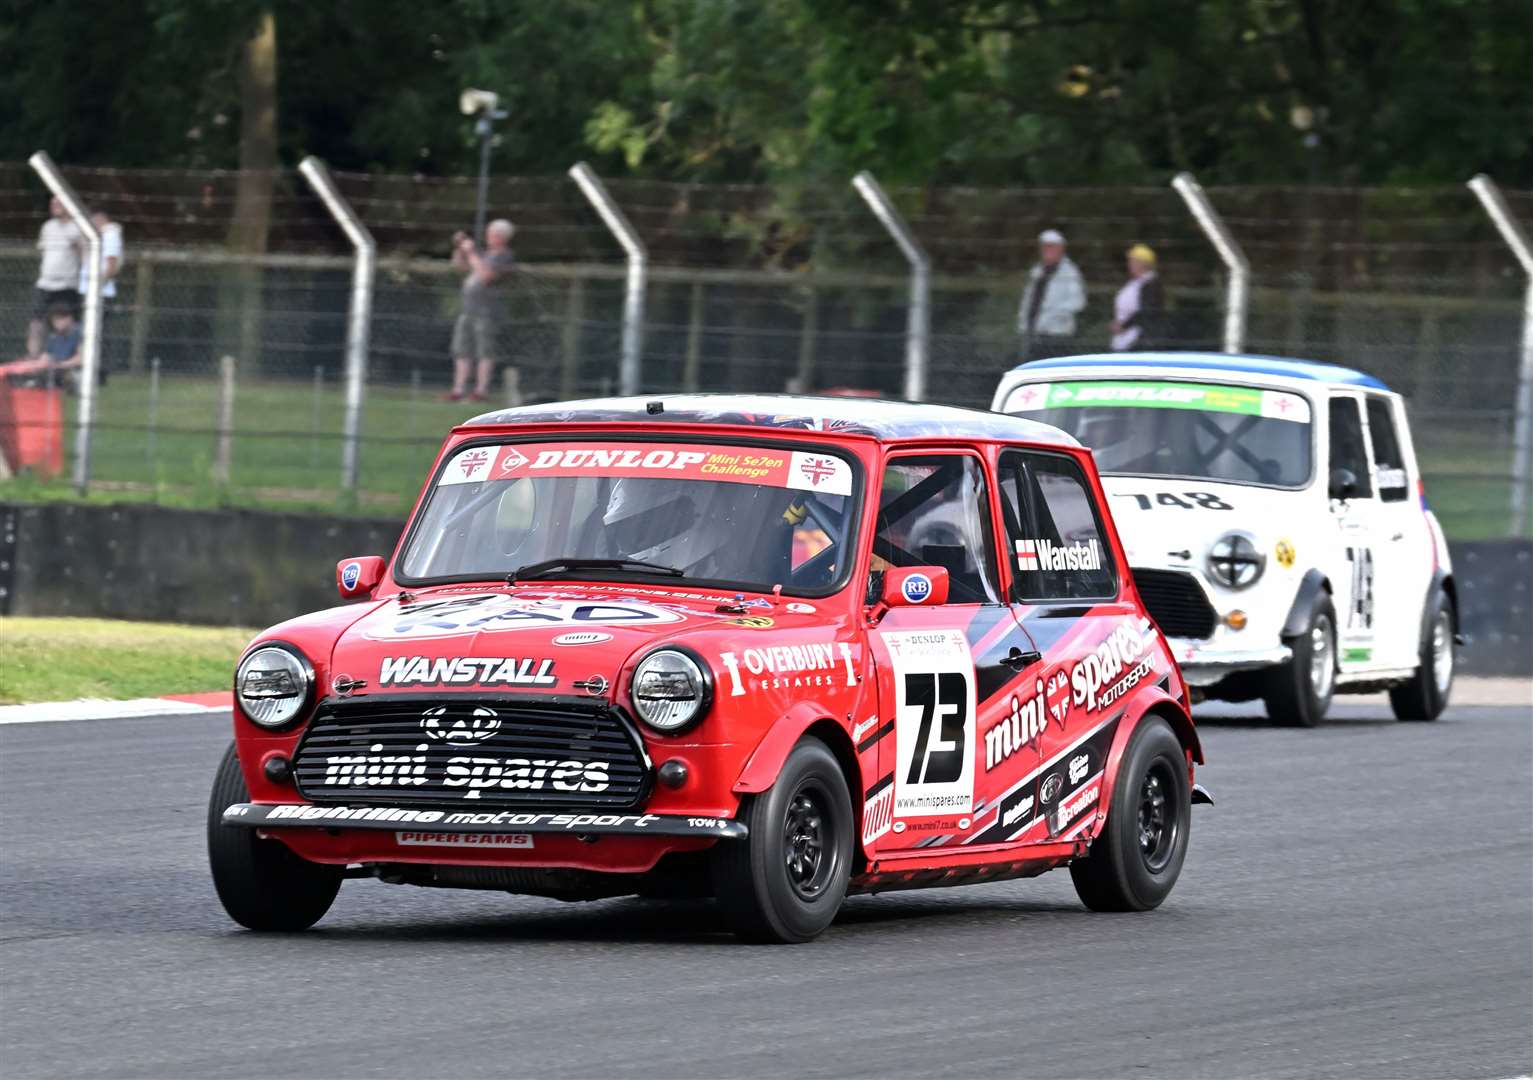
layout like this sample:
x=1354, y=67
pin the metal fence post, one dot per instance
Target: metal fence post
x=1516, y=238
x=223, y=446
x=360, y=315
x=629, y=370
x=1237, y=295
x=918, y=326
x=90, y=331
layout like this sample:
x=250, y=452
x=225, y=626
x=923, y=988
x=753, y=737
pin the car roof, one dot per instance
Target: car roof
x=845, y=415
x=1283, y=367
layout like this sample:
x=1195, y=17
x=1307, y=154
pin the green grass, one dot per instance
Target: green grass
x=287, y=452
x=63, y=659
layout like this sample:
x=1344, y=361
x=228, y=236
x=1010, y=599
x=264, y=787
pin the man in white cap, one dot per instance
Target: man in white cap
x=1055, y=295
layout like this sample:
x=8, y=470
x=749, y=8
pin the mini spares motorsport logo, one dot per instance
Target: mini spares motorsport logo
x=465, y=671
x=1047, y=555
x=1115, y=666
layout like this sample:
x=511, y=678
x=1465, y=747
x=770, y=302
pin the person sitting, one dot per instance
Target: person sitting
x=61, y=348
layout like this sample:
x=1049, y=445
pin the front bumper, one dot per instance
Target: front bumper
x=272, y=816
x=1203, y=665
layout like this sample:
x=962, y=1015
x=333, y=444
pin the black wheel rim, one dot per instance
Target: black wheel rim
x=1159, y=817
x=809, y=844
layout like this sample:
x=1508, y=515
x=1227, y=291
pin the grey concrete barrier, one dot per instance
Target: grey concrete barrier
x=255, y=568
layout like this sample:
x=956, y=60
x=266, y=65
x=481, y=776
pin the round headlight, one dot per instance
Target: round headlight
x=273, y=686
x=1235, y=561
x=671, y=690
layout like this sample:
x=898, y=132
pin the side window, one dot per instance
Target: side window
x=933, y=512
x=1347, y=449
x=1388, y=460
x=1055, y=529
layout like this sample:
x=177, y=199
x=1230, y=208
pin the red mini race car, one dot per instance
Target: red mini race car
x=770, y=649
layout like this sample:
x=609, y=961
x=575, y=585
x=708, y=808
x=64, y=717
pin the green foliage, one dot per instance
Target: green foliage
x=985, y=92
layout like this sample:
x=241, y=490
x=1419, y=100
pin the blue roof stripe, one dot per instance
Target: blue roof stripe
x=1312, y=370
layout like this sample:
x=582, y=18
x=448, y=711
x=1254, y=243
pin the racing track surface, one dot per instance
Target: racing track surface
x=1356, y=905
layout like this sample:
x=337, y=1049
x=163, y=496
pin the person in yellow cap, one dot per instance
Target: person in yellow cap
x=1137, y=307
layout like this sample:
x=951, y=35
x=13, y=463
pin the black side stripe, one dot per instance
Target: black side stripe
x=876, y=788
x=873, y=738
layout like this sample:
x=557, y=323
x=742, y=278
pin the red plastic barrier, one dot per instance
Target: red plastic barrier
x=31, y=421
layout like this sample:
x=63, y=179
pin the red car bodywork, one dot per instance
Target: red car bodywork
x=1045, y=740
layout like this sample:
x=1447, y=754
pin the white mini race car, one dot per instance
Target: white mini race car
x=1275, y=520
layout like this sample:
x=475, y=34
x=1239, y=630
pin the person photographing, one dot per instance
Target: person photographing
x=477, y=336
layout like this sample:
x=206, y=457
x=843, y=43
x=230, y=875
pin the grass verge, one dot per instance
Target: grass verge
x=62, y=659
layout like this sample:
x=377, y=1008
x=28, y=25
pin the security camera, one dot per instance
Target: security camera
x=473, y=101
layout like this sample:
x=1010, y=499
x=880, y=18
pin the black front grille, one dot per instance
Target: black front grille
x=471, y=751
x=1177, y=603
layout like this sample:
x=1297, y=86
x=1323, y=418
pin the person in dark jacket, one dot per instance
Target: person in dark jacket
x=1139, y=304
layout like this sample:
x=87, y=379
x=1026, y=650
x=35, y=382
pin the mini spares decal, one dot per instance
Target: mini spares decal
x=497, y=612
x=1204, y=397
x=825, y=473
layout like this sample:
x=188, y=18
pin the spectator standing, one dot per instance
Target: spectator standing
x=111, y=266
x=1055, y=295
x=1139, y=304
x=60, y=243
x=477, y=338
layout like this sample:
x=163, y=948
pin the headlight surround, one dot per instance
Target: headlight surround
x=1235, y=561
x=672, y=689
x=274, y=685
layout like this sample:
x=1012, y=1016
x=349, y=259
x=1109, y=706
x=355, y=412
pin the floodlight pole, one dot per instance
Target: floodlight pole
x=591, y=186
x=90, y=331
x=359, y=316
x=918, y=324
x=1516, y=238
x=1237, y=294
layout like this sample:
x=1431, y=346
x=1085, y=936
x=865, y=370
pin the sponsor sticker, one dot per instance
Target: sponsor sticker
x=582, y=637
x=753, y=622
x=498, y=613
x=1147, y=394
x=934, y=722
x=465, y=671
x=1285, y=554
x=789, y=667
x=351, y=573
x=916, y=588
x=1072, y=806
x=1047, y=555
x=1115, y=666
x=878, y=811
x=479, y=840
x=792, y=469
x=479, y=725
x=801, y=609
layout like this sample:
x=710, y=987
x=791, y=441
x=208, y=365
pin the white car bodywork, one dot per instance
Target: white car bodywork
x=1379, y=554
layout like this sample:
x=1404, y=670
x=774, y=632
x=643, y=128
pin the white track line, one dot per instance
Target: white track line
x=61, y=712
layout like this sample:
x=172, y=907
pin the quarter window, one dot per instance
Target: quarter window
x=1059, y=550
x=1388, y=460
x=933, y=512
x=1347, y=448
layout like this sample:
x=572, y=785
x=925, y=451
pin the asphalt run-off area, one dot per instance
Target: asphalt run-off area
x=1357, y=904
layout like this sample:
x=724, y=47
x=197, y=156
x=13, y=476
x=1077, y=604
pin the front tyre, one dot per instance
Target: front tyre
x=262, y=884
x=1299, y=692
x=1425, y=696
x=1134, y=862
x=786, y=880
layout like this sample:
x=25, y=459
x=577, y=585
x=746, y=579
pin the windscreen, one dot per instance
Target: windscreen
x=1232, y=434
x=731, y=515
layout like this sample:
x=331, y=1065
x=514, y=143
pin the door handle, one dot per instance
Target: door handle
x=1397, y=536
x=1018, y=660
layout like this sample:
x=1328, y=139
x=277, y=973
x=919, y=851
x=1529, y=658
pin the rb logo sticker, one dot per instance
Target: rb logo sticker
x=350, y=574
x=916, y=588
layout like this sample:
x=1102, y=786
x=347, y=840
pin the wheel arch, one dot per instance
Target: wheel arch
x=1154, y=703
x=1312, y=586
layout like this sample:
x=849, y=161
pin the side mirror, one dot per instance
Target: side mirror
x=358, y=577
x=915, y=586
x=1343, y=483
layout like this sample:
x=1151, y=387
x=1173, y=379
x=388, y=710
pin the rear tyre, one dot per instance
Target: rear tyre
x=1425, y=696
x=1299, y=692
x=1134, y=862
x=786, y=881
x=262, y=884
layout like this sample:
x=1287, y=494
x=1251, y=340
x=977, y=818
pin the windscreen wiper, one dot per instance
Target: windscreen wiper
x=551, y=567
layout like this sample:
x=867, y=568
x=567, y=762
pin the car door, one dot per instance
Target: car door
x=1094, y=646
x=1355, y=514
x=1403, y=554
x=941, y=667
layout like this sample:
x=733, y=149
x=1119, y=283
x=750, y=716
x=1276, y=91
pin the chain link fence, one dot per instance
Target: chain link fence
x=224, y=360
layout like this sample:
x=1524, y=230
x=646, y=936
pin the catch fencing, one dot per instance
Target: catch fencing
x=225, y=348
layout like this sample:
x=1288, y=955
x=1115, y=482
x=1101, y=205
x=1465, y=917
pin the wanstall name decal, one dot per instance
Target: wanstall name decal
x=497, y=612
x=794, y=469
x=1047, y=555
x=778, y=667
x=934, y=722
x=1118, y=664
x=438, y=839
x=1204, y=397
x=465, y=671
